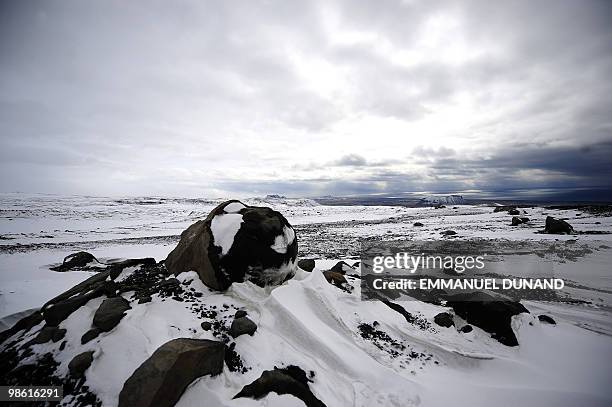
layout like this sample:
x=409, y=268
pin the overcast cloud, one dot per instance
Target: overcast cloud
x=308, y=98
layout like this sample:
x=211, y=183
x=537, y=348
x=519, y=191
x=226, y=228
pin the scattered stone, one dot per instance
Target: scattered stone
x=110, y=312
x=417, y=224
x=514, y=211
x=557, y=226
x=162, y=378
x=290, y=380
x=241, y=326
x=466, y=329
x=546, y=319
x=77, y=261
x=206, y=325
x=80, y=363
x=306, y=264
x=444, y=319
x=264, y=242
x=448, y=233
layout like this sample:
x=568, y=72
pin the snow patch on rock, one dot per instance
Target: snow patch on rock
x=281, y=242
x=224, y=229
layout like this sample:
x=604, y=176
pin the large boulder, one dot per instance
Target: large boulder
x=237, y=242
x=290, y=380
x=79, y=261
x=162, y=378
x=489, y=312
x=557, y=226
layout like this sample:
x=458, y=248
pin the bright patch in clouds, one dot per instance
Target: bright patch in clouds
x=304, y=98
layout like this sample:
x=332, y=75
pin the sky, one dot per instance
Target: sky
x=306, y=98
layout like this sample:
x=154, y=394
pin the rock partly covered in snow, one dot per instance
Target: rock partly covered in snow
x=237, y=242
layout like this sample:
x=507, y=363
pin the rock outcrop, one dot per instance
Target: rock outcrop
x=237, y=242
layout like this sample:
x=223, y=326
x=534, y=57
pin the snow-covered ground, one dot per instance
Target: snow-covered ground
x=312, y=324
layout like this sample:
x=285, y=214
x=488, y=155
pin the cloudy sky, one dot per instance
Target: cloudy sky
x=305, y=98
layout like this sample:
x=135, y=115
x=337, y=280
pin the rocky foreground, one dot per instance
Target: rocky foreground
x=231, y=317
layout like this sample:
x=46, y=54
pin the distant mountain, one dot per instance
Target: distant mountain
x=446, y=200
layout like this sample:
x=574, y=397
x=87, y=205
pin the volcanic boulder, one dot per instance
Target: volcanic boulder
x=492, y=314
x=237, y=242
x=306, y=264
x=557, y=226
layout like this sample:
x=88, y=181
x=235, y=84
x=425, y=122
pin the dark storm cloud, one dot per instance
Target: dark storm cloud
x=204, y=98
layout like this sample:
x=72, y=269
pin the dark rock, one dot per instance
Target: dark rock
x=241, y=326
x=290, y=380
x=517, y=221
x=546, y=319
x=76, y=261
x=514, y=212
x=162, y=378
x=110, y=312
x=417, y=224
x=250, y=254
x=444, y=319
x=56, y=313
x=492, y=314
x=48, y=333
x=80, y=363
x=557, y=226
x=341, y=267
x=504, y=208
x=466, y=329
x=448, y=233
x=306, y=264
x=206, y=325
x=90, y=335
x=25, y=323
x=240, y=313
x=335, y=278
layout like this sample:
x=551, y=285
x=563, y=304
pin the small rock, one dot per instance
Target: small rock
x=306, y=264
x=90, y=335
x=444, y=319
x=110, y=312
x=241, y=326
x=206, y=325
x=546, y=319
x=517, y=221
x=80, y=363
x=448, y=233
x=514, y=212
x=341, y=267
x=417, y=224
x=466, y=328
x=335, y=278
